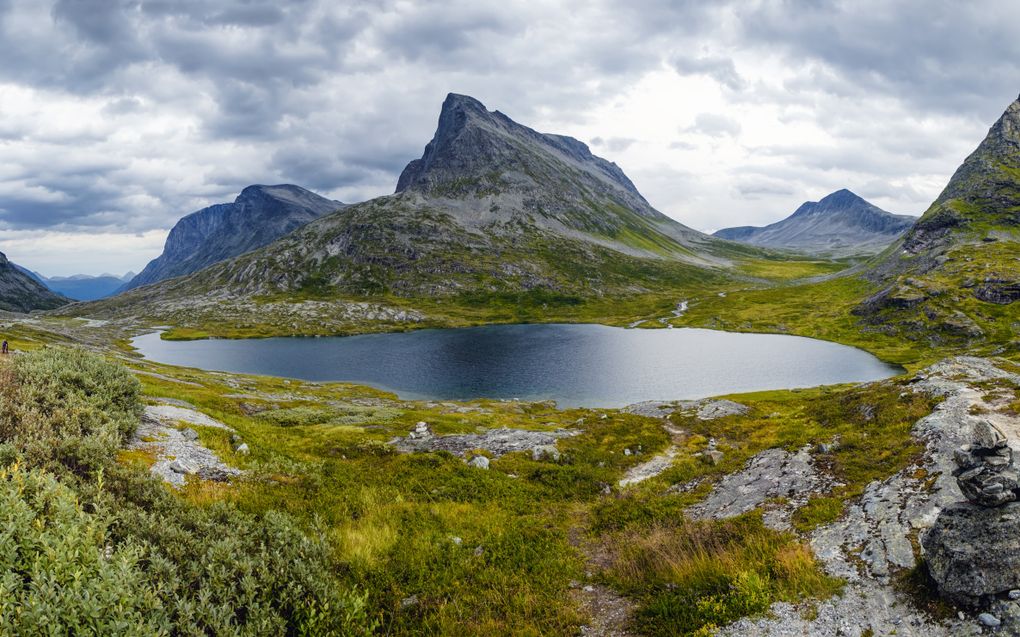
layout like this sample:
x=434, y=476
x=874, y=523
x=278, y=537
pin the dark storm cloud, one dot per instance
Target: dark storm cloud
x=174, y=104
x=936, y=55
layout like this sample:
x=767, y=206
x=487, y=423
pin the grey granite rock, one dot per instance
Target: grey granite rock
x=973, y=551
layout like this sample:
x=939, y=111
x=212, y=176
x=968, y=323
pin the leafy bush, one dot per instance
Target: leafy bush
x=67, y=406
x=88, y=546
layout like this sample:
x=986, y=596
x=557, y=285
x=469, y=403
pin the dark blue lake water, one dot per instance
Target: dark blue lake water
x=575, y=365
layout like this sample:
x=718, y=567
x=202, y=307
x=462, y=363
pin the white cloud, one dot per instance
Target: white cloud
x=117, y=118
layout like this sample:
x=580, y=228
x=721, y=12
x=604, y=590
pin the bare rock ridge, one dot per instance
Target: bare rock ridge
x=551, y=180
x=984, y=189
x=259, y=216
x=839, y=224
x=20, y=292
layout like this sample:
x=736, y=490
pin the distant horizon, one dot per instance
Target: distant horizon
x=120, y=119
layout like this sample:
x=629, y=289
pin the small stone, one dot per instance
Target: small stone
x=714, y=456
x=235, y=439
x=189, y=434
x=589, y=589
x=479, y=551
x=479, y=462
x=1014, y=594
x=409, y=602
x=179, y=467
x=996, y=461
x=243, y=449
x=456, y=540
x=545, y=452
x=626, y=452
x=971, y=473
x=988, y=436
x=989, y=620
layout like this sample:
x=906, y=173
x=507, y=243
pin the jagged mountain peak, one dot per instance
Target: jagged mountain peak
x=984, y=190
x=475, y=150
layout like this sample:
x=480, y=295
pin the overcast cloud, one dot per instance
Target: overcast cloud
x=117, y=117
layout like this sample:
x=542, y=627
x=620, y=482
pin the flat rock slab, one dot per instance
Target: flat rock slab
x=178, y=455
x=649, y=469
x=495, y=441
x=706, y=409
x=173, y=414
x=773, y=473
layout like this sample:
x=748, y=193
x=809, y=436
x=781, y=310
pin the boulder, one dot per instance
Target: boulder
x=479, y=462
x=543, y=452
x=973, y=552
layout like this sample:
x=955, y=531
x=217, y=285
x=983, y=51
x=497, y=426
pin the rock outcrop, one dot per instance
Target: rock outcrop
x=973, y=552
x=495, y=441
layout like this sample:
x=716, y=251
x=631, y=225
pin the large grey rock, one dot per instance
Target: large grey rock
x=973, y=552
x=495, y=441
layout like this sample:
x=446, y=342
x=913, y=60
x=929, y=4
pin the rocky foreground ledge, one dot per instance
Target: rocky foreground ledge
x=878, y=536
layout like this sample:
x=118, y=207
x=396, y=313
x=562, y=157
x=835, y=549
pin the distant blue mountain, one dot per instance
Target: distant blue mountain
x=81, y=287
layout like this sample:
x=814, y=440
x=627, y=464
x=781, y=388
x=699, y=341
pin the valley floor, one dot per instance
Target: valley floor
x=775, y=513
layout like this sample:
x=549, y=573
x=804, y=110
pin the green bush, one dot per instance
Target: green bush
x=91, y=547
x=67, y=406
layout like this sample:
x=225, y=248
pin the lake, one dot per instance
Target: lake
x=575, y=365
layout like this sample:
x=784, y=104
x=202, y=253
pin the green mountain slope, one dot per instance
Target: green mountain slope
x=951, y=284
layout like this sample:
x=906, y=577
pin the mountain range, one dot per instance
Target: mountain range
x=21, y=292
x=840, y=224
x=491, y=208
x=82, y=287
x=257, y=217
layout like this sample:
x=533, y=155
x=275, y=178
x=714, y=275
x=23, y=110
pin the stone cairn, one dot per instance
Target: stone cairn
x=985, y=471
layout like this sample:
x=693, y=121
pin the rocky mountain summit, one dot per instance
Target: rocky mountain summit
x=943, y=280
x=513, y=174
x=259, y=216
x=841, y=223
x=20, y=292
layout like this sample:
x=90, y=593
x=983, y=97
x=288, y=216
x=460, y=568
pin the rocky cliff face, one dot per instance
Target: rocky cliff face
x=20, y=292
x=954, y=276
x=840, y=224
x=511, y=174
x=259, y=216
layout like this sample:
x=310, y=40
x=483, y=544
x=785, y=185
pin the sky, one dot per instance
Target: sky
x=119, y=117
